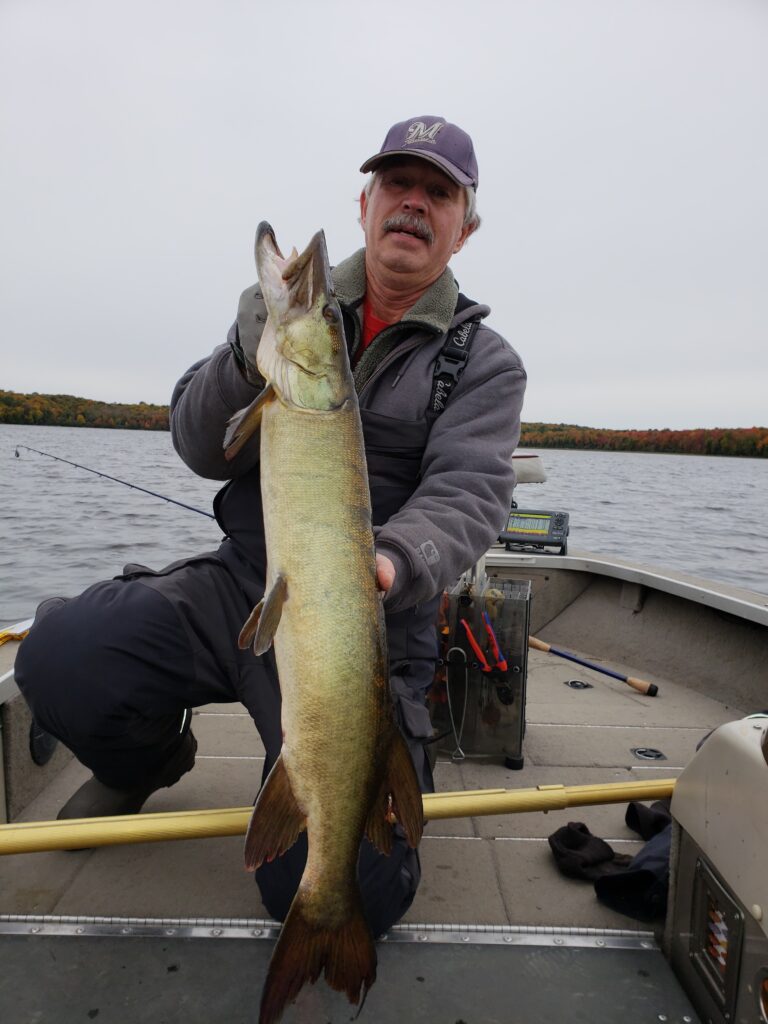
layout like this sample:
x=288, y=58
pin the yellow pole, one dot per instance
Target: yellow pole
x=85, y=833
x=542, y=798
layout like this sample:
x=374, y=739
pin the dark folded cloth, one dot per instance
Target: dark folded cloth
x=640, y=890
x=635, y=886
x=648, y=821
x=579, y=854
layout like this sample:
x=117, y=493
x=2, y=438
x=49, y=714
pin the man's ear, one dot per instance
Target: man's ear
x=363, y=208
x=466, y=231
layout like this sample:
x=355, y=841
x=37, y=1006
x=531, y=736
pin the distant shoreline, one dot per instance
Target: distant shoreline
x=70, y=411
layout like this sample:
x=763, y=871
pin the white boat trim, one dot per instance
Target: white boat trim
x=8, y=687
x=744, y=604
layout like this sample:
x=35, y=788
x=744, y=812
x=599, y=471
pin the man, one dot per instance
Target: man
x=440, y=429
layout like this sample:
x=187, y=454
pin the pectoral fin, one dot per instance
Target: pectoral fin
x=245, y=423
x=264, y=619
x=276, y=821
x=248, y=632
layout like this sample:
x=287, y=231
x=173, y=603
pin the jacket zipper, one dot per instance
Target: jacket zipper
x=401, y=349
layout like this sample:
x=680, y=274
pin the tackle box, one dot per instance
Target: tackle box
x=477, y=699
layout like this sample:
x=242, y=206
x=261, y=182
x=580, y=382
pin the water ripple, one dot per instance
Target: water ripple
x=62, y=529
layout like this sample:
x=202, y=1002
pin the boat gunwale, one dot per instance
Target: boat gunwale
x=744, y=604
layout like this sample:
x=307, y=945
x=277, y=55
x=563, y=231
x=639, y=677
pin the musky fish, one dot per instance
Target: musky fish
x=344, y=769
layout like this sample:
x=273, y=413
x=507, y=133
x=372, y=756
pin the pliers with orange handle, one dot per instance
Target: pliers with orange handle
x=500, y=662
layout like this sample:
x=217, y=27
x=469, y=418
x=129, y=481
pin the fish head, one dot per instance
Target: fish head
x=302, y=352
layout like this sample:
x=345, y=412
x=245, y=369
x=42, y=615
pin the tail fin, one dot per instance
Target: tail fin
x=347, y=955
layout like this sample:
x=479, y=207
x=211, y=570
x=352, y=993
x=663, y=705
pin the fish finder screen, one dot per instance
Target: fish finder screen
x=528, y=524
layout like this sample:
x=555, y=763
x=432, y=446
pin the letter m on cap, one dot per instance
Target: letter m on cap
x=418, y=132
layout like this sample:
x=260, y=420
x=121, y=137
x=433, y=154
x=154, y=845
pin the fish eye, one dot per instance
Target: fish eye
x=330, y=315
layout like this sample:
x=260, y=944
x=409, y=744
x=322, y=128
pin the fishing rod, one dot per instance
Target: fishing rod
x=651, y=689
x=106, y=476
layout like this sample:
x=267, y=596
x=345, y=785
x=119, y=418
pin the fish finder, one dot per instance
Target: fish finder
x=535, y=529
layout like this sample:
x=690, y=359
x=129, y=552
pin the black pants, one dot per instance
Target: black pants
x=111, y=672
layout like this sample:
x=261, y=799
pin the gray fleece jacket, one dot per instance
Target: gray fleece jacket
x=466, y=478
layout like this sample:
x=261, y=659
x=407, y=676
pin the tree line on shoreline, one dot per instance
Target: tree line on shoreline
x=749, y=442
x=69, y=411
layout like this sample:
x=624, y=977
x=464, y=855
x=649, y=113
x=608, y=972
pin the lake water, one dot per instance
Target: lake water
x=62, y=529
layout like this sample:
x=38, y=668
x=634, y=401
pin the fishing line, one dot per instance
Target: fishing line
x=125, y=483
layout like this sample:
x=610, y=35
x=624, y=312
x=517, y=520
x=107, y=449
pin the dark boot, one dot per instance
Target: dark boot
x=96, y=800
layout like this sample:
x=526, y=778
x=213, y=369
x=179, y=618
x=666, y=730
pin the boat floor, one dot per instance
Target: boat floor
x=490, y=871
x=173, y=980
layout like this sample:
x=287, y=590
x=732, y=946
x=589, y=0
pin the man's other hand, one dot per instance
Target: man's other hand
x=251, y=317
x=385, y=573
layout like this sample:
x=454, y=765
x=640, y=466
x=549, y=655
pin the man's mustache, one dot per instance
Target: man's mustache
x=412, y=224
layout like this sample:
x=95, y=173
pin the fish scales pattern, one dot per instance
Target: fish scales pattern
x=329, y=635
x=343, y=759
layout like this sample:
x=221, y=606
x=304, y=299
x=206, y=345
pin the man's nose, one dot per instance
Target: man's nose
x=415, y=200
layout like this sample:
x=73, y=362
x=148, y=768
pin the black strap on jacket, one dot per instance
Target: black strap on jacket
x=452, y=359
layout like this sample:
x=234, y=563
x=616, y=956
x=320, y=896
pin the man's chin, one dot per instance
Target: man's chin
x=401, y=259
x=401, y=264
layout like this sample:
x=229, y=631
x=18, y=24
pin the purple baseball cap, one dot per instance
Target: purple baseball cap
x=434, y=139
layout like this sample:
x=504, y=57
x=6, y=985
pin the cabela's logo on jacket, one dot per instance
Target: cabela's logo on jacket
x=418, y=132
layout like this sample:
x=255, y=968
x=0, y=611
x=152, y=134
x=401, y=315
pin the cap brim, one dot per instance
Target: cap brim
x=450, y=169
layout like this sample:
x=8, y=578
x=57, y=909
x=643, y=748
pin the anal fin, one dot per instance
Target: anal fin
x=378, y=826
x=399, y=795
x=276, y=821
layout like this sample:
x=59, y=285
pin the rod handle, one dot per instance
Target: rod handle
x=649, y=689
x=539, y=645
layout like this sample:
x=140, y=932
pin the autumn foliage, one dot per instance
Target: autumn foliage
x=68, y=411
x=751, y=442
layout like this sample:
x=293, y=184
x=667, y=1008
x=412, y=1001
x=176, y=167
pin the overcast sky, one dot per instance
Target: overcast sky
x=623, y=157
